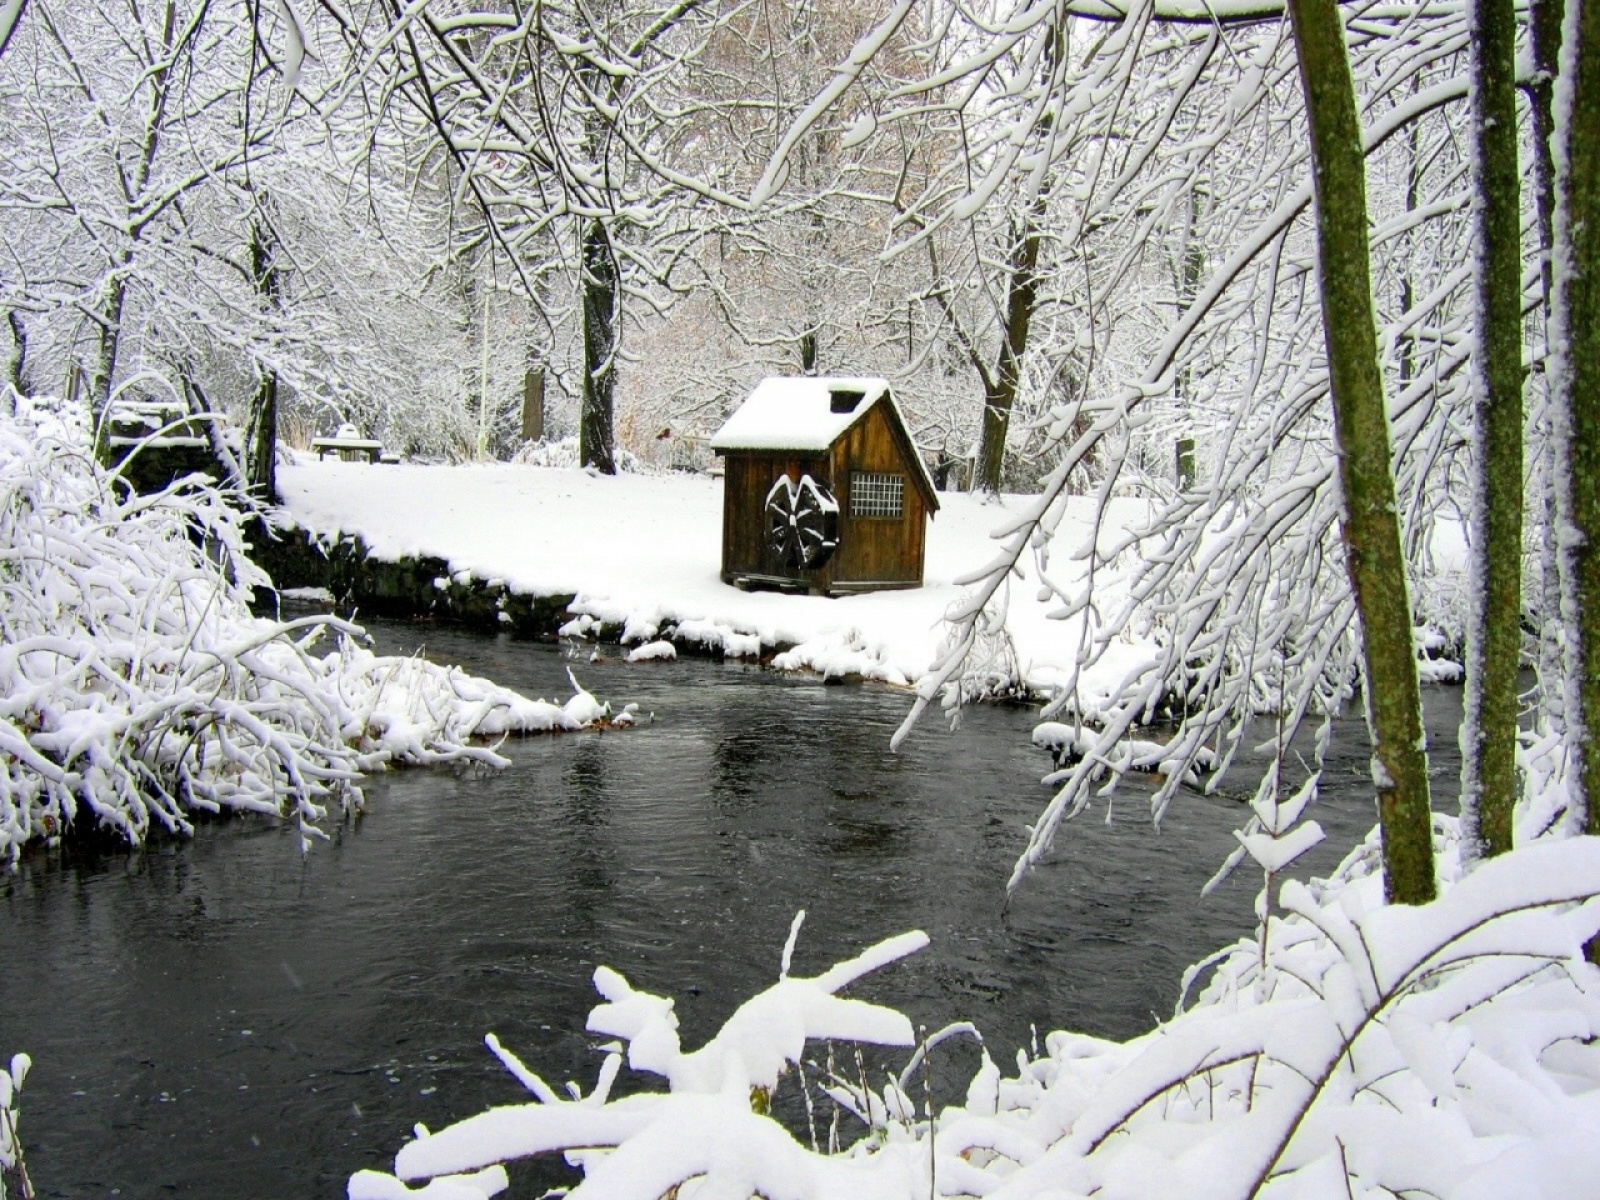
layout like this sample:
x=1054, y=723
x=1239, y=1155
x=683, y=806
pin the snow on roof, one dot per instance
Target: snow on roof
x=808, y=413
x=799, y=412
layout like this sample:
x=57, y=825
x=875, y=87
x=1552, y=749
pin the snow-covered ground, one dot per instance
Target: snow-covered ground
x=645, y=551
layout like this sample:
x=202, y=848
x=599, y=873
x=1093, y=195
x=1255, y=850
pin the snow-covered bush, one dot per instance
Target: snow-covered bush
x=564, y=453
x=11, y=1163
x=136, y=687
x=1357, y=1051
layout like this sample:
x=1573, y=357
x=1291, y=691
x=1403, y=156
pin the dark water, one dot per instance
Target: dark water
x=224, y=1018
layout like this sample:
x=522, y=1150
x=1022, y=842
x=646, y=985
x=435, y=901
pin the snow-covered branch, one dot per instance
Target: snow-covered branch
x=137, y=689
x=13, y=1169
x=1448, y=1050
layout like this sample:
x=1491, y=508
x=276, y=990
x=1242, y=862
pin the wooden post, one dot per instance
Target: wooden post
x=1185, y=460
x=533, y=406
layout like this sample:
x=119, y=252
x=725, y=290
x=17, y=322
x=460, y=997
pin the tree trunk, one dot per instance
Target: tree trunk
x=808, y=352
x=1370, y=527
x=134, y=184
x=1544, y=25
x=261, y=439
x=1494, y=635
x=596, y=427
x=1544, y=31
x=1576, y=383
x=533, y=405
x=105, y=359
x=1000, y=394
x=17, y=361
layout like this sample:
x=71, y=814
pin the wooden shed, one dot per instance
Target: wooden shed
x=825, y=491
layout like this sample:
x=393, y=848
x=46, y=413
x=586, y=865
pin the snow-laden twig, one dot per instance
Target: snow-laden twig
x=136, y=688
x=13, y=1170
x=710, y=1125
x=1450, y=1050
x=1235, y=578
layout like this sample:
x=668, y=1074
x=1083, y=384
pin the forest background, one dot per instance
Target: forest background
x=1348, y=258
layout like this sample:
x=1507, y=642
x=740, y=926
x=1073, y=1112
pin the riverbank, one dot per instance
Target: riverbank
x=636, y=558
x=632, y=558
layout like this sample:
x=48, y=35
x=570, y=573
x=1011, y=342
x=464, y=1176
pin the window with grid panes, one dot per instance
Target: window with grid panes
x=876, y=495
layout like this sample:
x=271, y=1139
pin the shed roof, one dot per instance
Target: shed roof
x=798, y=412
x=808, y=413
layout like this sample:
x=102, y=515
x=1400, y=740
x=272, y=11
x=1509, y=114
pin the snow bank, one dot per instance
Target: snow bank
x=1351, y=1050
x=643, y=552
x=136, y=688
x=564, y=452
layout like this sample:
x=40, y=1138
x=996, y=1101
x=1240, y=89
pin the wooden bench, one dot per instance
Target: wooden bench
x=349, y=449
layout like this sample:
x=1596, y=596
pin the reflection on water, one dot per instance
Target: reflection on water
x=227, y=1018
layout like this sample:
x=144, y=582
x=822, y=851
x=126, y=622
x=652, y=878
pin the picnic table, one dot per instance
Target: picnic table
x=349, y=445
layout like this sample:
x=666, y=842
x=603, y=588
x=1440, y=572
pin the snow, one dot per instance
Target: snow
x=764, y=1036
x=136, y=687
x=658, y=651
x=1272, y=852
x=1350, y=1049
x=644, y=552
x=479, y=1185
x=1069, y=743
x=10, y=1117
x=796, y=412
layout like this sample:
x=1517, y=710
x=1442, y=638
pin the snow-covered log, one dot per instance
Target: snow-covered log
x=136, y=687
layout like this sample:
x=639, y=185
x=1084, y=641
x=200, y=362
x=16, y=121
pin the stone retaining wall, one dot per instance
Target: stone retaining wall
x=409, y=588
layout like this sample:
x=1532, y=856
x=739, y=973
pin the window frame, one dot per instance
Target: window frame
x=877, y=496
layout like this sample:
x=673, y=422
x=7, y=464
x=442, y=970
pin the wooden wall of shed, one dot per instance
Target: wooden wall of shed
x=746, y=482
x=877, y=549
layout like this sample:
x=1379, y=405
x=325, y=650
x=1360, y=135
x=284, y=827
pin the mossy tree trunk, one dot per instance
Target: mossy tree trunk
x=1544, y=31
x=1370, y=527
x=1576, y=343
x=1494, y=641
x=1544, y=35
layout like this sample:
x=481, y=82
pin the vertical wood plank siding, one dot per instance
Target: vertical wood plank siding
x=747, y=481
x=871, y=550
x=877, y=549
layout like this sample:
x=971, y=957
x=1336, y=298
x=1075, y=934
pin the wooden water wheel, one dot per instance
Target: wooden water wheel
x=802, y=522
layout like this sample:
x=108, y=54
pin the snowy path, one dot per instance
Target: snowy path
x=645, y=550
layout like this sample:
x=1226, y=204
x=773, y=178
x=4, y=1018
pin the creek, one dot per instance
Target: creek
x=224, y=1017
